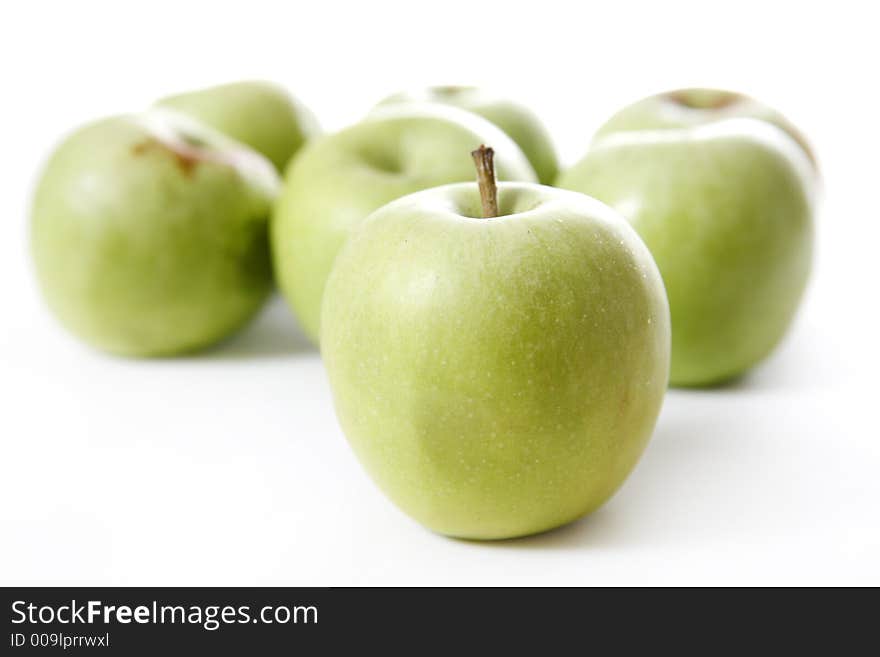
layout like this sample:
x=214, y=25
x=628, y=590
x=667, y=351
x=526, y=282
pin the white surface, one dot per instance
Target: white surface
x=229, y=468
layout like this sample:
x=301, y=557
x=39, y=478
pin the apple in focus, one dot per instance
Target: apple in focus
x=497, y=376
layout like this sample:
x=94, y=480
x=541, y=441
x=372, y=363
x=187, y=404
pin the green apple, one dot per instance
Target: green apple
x=501, y=376
x=519, y=122
x=684, y=108
x=340, y=179
x=258, y=114
x=726, y=210
x=149, y=234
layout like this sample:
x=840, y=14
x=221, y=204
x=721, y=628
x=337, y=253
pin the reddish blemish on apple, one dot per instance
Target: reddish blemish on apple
x=186, y=157
x=189, y=151
x=452, y=90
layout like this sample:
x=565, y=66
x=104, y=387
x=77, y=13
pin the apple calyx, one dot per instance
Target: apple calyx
x=192, y=144
x=484, y=159
x=704, y=99
x=186, y=158
x=453, y=90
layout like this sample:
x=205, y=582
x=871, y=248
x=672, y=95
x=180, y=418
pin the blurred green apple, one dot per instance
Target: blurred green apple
x=340, y=179
x=726, y=210
x=149, y=234
x=685, y=108
x=258, y=114
x=496, y=377
x=519, y=122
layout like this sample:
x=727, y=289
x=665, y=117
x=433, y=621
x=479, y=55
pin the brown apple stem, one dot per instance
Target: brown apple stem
x=484, y=159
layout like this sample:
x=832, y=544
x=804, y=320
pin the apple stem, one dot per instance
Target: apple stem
x=484, y=159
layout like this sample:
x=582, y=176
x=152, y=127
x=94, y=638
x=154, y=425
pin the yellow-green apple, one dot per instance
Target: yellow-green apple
x=497, y=376
x=518, y=121
x=259, y=114
x=684, y=108
x=149, y=234
x=726, y=209
x=339, y=179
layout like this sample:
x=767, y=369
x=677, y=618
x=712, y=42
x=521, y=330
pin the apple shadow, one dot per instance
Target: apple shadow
x=273, y=333
x=700, y=430
x=795, y=363
x=658, y=493
x=788, y=369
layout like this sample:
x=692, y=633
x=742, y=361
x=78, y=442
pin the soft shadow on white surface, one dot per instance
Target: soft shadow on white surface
x=273, y=333
x=726, y=446
x=798, y=364
x=638, y=511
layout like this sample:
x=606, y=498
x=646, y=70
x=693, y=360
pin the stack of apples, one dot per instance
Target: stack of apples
x=498, y=350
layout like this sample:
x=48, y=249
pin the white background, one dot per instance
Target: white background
x=229, y=467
